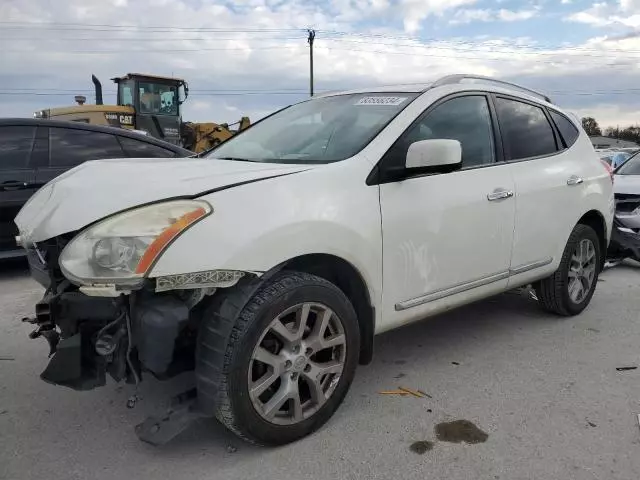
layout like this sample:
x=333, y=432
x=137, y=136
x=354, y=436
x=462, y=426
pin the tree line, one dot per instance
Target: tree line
x=630, y=133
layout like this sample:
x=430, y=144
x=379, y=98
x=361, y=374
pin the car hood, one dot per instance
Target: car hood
x=99, y=188
x=627, y=184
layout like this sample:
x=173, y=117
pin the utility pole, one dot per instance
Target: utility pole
x=310, y=39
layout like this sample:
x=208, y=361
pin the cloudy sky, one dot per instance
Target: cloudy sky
x=250, y=57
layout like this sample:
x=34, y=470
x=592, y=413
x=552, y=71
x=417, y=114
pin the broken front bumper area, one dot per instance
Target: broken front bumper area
x=625, y=238
x=82, y=351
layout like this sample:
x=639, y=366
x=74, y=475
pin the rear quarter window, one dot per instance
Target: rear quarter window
x=138, y=149
x=567, y=129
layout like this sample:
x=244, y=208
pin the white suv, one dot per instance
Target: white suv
x=269, y=264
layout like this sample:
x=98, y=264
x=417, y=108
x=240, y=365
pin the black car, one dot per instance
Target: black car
x=34, y=151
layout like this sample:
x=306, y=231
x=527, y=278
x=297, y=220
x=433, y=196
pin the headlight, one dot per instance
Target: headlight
x=123, y=248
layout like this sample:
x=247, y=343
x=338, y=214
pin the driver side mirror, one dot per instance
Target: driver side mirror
x=434, y=156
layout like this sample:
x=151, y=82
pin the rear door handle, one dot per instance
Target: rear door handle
x=13, y=185
x=499, y=194
x=574, y=180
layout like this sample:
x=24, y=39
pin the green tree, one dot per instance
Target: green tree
x=591, y=126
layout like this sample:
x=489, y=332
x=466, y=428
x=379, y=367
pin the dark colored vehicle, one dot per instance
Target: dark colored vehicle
x=625, y=237
x=34, y=151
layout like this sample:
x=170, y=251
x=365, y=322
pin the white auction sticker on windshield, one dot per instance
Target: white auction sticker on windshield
x=392, y=101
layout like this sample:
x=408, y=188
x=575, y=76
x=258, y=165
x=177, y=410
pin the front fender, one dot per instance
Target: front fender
x=258, y=226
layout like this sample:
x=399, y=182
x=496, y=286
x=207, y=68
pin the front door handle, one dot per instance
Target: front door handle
x=574, y=180
x=13, y=185
x=499, y=194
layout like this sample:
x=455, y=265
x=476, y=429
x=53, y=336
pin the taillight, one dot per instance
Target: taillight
x=608, y=168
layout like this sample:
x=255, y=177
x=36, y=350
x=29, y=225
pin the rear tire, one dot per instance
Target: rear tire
x=246, y=323
x=569, y=290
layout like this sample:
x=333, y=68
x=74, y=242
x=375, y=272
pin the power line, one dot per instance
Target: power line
x=441, y=45
x=328, y=36
x=280, y=47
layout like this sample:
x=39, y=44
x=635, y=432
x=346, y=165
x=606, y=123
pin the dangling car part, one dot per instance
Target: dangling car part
x=625, y=237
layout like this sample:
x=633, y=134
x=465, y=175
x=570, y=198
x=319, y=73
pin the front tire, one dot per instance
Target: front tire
x=274, y=364
x=569, y=290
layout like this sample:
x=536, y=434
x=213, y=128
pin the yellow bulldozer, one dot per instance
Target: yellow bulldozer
x=150, y=104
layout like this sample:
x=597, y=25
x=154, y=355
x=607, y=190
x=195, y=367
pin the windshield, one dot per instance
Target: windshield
x=630, y=167
x=321, y=130
x=158, y=98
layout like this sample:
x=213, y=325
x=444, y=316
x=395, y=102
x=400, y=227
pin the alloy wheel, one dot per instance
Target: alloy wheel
x=296, y=364
x=582, y=270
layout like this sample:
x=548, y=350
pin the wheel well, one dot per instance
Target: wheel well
x=345, y=276
x=595, y=220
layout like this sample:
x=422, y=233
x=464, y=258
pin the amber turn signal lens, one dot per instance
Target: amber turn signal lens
x=168, y=234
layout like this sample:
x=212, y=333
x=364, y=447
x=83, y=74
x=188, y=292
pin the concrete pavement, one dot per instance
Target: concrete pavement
x=545, y=390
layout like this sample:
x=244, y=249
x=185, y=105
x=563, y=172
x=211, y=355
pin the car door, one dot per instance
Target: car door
x=17, y=181
x=69, y=147
x=446, y=237
x=545, y=198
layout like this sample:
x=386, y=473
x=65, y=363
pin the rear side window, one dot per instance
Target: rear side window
x=71, y=147
x=15, y=146
x=525, y=128
x=567, y=129
x=136, y=148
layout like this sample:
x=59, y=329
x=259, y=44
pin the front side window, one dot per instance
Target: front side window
x=525, y=129
x=71, y=147
x=321, y=130
x=158, y=99
x=466, y=119
x=15, y=146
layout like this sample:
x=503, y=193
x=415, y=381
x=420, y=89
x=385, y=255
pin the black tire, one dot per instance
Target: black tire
x=230, y=329
x=553, y=292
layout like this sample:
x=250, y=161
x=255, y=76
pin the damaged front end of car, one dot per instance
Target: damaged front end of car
x=625, y=237
x=103, y=314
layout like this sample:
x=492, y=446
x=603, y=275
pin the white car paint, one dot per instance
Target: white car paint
x=421, y=245
x=99, y=188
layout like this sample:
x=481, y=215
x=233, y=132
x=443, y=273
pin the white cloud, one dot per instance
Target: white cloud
x=625, y=13
x=471, y=15
x=415, y=11
x=511, y=16
x=463, y=16
x=240, y=59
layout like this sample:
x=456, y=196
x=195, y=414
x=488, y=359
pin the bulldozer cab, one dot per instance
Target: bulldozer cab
x=156, y=102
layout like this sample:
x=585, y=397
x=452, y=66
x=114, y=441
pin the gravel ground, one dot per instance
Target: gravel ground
x=545, y=390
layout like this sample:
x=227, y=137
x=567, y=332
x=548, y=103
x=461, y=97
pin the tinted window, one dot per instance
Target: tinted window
x=525, y=129
x=71, y=147
x=465, y=119
x=567, y=129
x=630, y=167
x=15, y=146
x=135, y=148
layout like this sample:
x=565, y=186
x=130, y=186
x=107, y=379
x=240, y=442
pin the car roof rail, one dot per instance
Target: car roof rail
x=459, y=78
